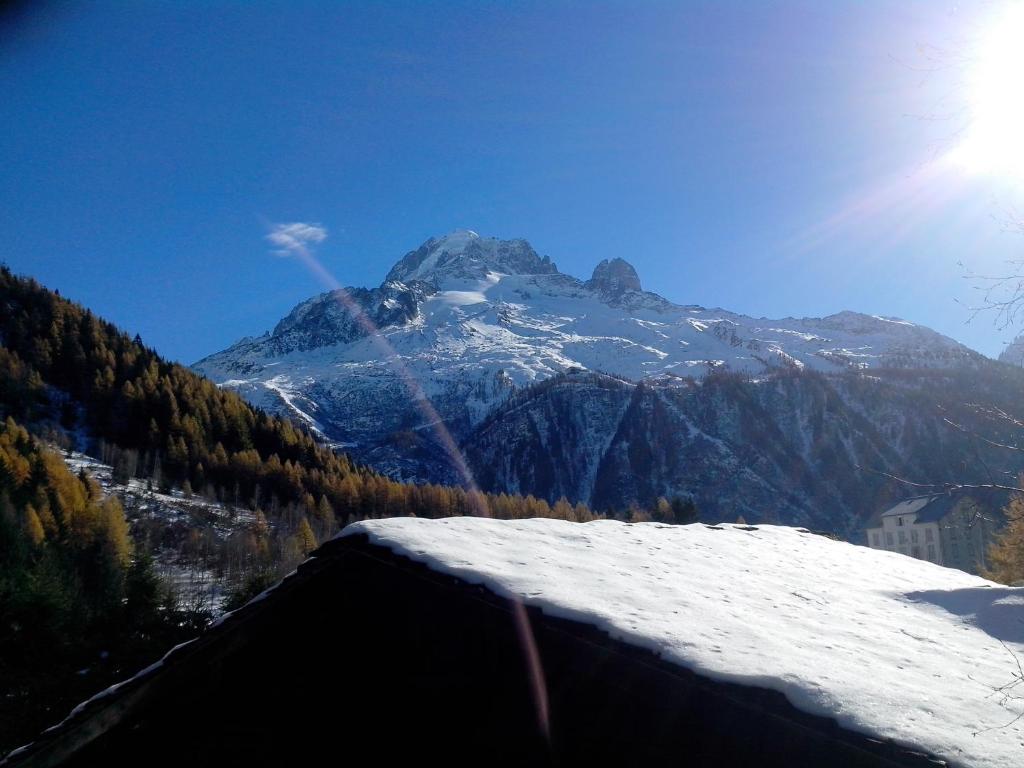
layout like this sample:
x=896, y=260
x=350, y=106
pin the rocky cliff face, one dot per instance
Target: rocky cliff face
x=614, y=278
x=464, y=327
x=465, y=255
x=792, y=447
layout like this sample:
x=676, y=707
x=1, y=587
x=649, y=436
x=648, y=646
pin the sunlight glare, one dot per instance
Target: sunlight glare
x=994, y=141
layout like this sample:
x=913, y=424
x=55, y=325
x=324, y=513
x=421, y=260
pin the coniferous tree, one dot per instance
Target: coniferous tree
x=562, y=509
x=684, y=510
x=663, y=512
x=69, y=587
x=306, y=539
x=1006, y=553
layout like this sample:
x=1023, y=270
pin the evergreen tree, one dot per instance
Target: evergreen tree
x=684, y=510
x=69, y=587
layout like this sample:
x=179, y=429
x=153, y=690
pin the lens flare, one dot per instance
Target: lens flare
x=994, y=137
x=535, y=670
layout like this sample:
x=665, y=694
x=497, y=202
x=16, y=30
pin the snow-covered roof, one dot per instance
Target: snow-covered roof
x=909, y=506
x=931, y=509
x=885, y=644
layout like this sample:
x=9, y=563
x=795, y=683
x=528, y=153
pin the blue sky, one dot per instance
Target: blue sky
x=773, y=158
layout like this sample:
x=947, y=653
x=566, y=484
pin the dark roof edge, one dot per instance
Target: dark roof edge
x=98, y=714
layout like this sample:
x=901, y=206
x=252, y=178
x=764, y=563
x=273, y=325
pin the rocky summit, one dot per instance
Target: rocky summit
x=466, y=330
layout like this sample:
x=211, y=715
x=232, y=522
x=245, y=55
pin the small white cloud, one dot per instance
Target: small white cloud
x=295, y=238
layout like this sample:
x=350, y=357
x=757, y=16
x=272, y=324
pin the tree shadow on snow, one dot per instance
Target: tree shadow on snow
x=998, y=611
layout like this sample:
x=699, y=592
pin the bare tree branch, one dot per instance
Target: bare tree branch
x=1004, y=692
x=943, y=487
x=1002, y=294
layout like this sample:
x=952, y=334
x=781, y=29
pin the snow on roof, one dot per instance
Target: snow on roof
x=931, y=509
x=886, y=644
x=908, y=506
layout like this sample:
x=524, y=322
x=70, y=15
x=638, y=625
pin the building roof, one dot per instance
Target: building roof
x=926, y=508
x=460, y=662
x=910, y=506
x=938, y=507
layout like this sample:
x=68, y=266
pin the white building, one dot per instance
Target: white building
x=949, y=529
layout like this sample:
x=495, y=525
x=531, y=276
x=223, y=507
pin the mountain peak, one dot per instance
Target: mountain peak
x=1014, y=352
x=615, y=276
x=463, y=254
x=455, y=241
x=461, y=233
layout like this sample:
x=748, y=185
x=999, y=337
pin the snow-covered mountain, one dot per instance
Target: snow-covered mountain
x=464, y=322
x=474, y=317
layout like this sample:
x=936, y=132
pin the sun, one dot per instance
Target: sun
x=993, y=140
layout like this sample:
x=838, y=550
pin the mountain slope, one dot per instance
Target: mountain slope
x=793, y=447
x=77, y=604
x=464, y=323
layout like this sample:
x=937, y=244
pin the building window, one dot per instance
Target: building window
x=931, y=552
x=916, y=552
x=900, y=519
x=913, y=536
x=903, y=537
x=876, y=540
x=888, y=538
x=928, y=534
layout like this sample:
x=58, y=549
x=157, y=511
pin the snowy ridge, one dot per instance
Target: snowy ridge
x=470, y=319
x=888, y=646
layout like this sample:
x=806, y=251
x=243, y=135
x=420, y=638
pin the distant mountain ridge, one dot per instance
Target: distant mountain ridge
x=463, y=298
x=1013, y=354
x=474, y=320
